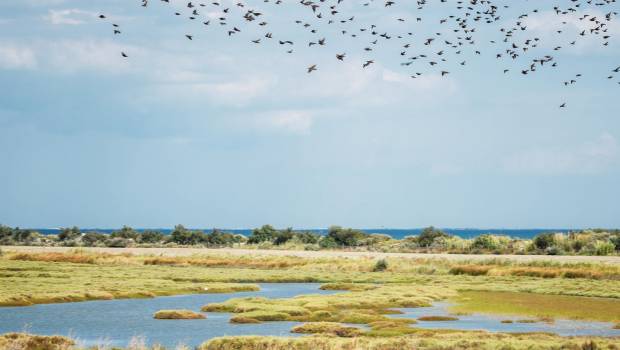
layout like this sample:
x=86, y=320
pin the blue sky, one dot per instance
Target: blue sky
x=220, y=132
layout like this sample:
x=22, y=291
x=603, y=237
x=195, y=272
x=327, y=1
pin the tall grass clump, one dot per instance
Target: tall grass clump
x=178, y=315
x=380, y=265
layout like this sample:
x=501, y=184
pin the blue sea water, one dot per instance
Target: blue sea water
x=395, y=233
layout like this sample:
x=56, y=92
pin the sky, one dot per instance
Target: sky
x=221, y=132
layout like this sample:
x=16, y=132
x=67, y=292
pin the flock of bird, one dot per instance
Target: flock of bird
x=457, y=35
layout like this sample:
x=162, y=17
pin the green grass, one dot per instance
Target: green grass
x=537, y=305
x=536, y=291
x=366, y=297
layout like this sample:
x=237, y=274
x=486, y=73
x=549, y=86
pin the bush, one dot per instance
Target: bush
x=282, y=237
x=92, y=238
x=544, y=241
x=308, y=237
x=183, y=236
x=68, y=234
x=151, y=237
x=126, y=232
x=264, y=234
x=380, y=265
x=486, y=242
x=428, y=236
x=221, y=239
x=604, y=248
x=328, y=243
x=346, y=237
x=118, y=242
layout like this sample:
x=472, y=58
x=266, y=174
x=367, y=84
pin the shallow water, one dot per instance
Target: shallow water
x=492, y=323
x=115, y=322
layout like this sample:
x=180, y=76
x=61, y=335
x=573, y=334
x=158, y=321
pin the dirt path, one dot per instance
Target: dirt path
x=613, y=260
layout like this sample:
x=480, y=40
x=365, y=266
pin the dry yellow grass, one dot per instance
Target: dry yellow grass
x=178, y=315
x=22, y=341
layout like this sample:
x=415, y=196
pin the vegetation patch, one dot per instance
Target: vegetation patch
x=178, y=315
x=332, y=328
x=243, y=320
x=56, y=257
x=23, y=341
x=365, y=306
x=539, y=305
x=229, y=261
x=419, y=339
x=437, y=318
x=348, y=286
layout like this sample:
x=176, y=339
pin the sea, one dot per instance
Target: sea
x=397, y=233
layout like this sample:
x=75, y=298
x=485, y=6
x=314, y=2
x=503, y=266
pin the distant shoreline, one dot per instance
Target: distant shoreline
x=396, y=233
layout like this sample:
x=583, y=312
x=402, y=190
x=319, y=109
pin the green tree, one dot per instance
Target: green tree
x=183, y=236
x=151, y=237
x=264, y=234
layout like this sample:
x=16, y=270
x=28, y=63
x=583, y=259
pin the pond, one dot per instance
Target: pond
x=493, y=323
x=116, y=322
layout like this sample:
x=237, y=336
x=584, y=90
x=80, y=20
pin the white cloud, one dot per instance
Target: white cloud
x=591, y=157
x=16, y=57
x=294, y=121
x=69, y=16
x=66, y=55
x=546, y=25
x=77, y=55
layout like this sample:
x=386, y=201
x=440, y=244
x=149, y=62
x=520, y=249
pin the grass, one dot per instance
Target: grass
x=360, y=307
x=537, y=305
x=422, y=339
x=437, y=318
x=178, y=315
x=366, y=298
x=22, y=341
x=537, y=291
x=533, y=271
x=330, y=328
